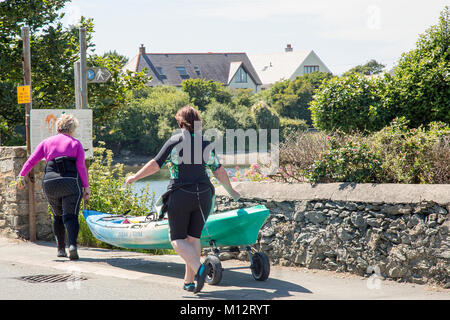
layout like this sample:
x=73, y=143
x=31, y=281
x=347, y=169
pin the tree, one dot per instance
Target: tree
x=54, y=49
x=370, y=68
x=14, y=14
x=419, y=89
x=106, y=99
x=202, y=92
x=265, y=116
x=291, y=99
x=147, y=122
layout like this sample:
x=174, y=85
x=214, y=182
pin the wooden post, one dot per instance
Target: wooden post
x=28, y=107
x=76, y=71
x=82, y=78
x=83, y=67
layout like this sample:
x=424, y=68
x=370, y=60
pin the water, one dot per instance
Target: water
x=158, y=182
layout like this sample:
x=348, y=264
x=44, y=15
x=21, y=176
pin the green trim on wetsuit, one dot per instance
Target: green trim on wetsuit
x=173, y=162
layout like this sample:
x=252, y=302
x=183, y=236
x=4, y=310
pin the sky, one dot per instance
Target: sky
x=343, y=33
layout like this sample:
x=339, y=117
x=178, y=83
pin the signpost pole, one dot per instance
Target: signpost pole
x=28, y=107
x=83, y=67
x=76, y=70
x=83, y=76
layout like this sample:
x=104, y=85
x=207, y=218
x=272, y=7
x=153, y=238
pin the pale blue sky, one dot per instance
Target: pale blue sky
x=343, y=33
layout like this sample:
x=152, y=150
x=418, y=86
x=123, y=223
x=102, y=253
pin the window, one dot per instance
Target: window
x=182, y=72
x=241, y=76
x=311, y=69
x=197, y=70
x=161, y=72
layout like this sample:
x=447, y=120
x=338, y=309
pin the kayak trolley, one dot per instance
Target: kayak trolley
x=259, y=263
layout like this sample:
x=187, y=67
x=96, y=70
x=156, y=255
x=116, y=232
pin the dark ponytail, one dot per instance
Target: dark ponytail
x=186, y=118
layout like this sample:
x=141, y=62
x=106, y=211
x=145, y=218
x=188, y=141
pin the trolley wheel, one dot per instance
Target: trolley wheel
x=214, y=275
x=260, y=266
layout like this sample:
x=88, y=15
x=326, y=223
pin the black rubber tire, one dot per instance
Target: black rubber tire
x=215, y=270
x=261, y=266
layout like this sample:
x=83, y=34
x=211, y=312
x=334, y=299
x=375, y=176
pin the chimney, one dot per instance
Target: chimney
x=142, y=49
x=288, y=48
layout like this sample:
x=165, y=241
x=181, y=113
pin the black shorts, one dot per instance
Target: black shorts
x=185, y=216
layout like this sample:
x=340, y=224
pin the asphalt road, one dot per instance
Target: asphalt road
x=115, y=274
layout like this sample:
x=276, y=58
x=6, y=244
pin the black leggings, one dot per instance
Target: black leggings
x=185, y=216
x=64, y=195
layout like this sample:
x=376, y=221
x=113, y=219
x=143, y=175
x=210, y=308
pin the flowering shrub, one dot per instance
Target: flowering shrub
x=414, y=155
x=395, y=154
x=253, y=173
x=351, y=162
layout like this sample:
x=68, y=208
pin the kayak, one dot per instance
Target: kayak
x=237, y=227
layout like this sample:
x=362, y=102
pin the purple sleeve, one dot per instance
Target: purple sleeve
x=81, y=166
x=37, y=156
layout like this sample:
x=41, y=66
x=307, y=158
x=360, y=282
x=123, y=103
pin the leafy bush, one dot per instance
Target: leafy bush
x=202, y=92
x=348, y=104
x=265, y=117
x=109, y=194
x=396, y=154
x=288, y=126
x=219, y=116
x=242, y=98
x=351, y=162
x=412, y=155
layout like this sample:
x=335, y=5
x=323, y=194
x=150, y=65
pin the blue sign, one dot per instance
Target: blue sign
x=90, y=75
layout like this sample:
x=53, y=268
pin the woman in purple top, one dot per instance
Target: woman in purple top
x=65, y=181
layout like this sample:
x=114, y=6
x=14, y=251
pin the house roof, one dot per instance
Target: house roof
x=273, y=67
x=211, y=66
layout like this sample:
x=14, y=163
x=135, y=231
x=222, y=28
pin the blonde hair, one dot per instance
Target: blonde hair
x=67, y=123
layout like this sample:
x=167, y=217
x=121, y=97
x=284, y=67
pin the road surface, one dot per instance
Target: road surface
x=116, y=274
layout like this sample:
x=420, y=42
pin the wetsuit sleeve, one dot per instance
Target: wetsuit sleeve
x=37, y=156
x=81, y=166
x=213, y=162
x=164, y=153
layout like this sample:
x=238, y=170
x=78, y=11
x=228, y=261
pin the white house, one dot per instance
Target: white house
x=273, y=67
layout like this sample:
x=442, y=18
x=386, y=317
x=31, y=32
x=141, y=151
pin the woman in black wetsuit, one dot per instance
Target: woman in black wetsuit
x=189, y=196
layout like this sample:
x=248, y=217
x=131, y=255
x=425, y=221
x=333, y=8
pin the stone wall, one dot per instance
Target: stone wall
x=400, y=232
x=14, y=203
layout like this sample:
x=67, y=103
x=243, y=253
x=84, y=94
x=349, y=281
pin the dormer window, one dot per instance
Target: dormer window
x=161, y=72
x=241, y=76
x=197, y=70
x=182, y=72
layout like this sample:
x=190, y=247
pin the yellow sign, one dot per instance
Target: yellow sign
x=24, y=94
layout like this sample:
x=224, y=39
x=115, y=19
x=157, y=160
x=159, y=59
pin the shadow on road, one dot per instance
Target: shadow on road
x=250, y=288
